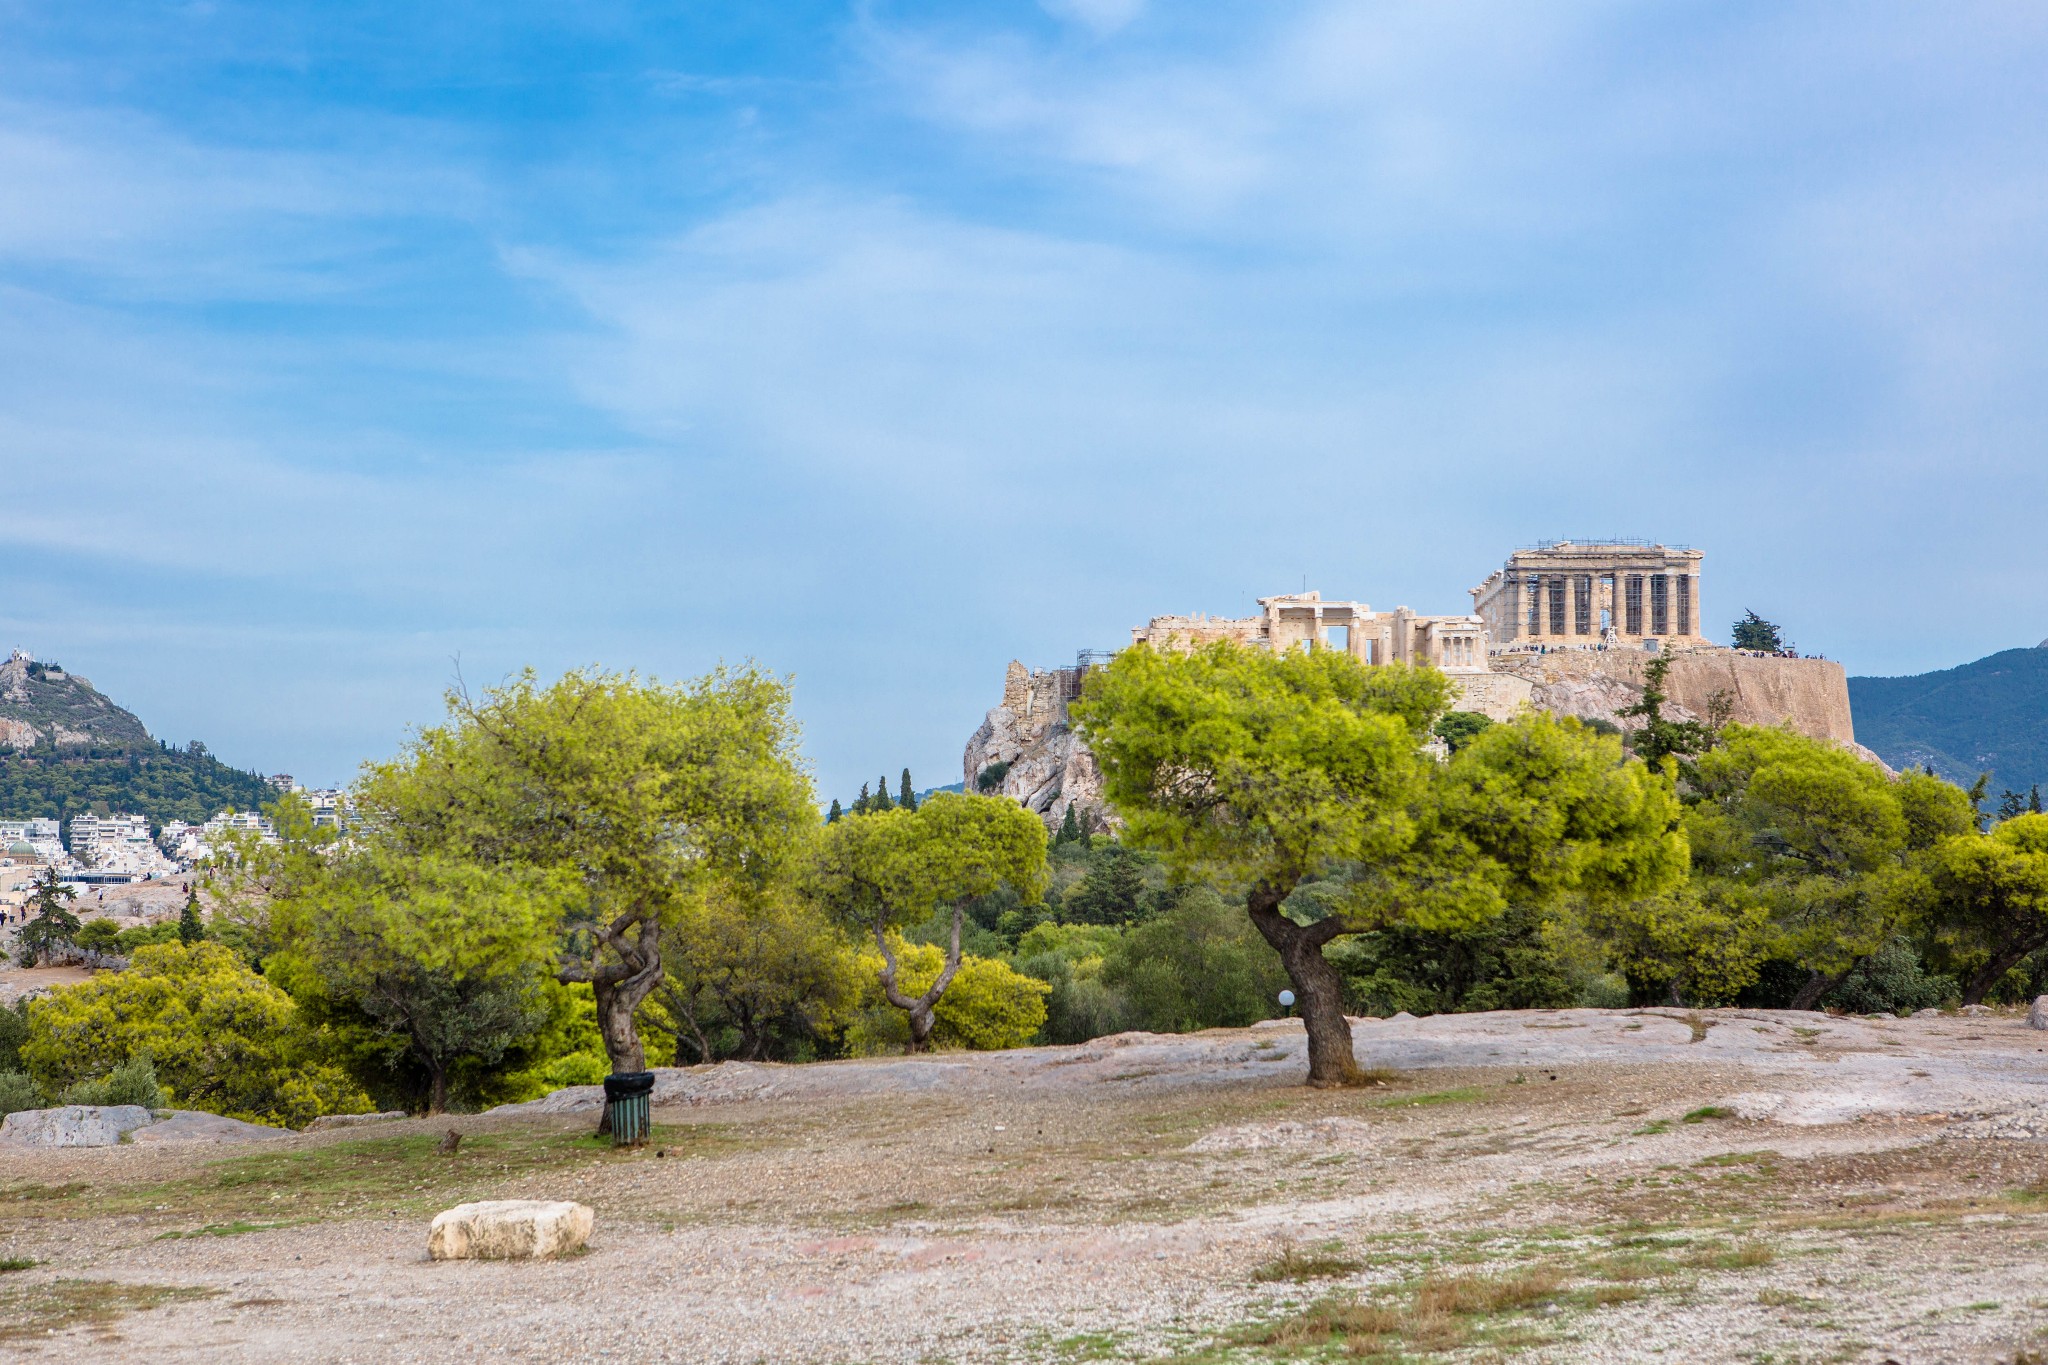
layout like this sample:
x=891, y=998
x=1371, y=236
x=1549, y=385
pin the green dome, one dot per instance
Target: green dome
x=19, y=847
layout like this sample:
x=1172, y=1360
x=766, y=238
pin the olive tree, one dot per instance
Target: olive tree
x=883, y=870
x=1269, y=769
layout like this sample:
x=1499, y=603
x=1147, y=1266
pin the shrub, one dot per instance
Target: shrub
x=132, y=1082
x=18, y=1092
x=223, y=1039
x=1199, y=964
x=1890, y=981
x=13, y=1033
x=98, y=935
x=990, y=1005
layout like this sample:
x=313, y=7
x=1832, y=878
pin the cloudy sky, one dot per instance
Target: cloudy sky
x=884, y=343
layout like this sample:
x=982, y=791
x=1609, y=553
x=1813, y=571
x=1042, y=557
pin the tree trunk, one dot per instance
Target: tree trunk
x=1988, y=975
x=1318, y=989
x=919, y=1008
x=437, y=1092
x=621, y=986
x=1808, y=996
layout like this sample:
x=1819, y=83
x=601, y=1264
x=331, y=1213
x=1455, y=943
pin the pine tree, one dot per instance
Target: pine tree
x=2011, y=803
x=908, y=799
x=2034, y=800
x=882, y=801
x=53, y=926
x=1070, y=828
x=191, y=928
x=1753, y=632
x=863, y=802
x=832, y=816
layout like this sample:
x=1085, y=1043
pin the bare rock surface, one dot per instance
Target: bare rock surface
x=73, y=1125
x=190, y=1125
x=510, y=1230
x=327, y=1122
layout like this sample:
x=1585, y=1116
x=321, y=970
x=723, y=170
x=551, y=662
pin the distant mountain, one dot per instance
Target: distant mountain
x=1991, y=715
x=65, y=748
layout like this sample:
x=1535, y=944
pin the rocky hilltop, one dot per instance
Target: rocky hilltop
x=1024, y=748
x=41, y=704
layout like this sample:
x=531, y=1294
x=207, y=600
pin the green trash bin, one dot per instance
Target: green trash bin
x=629, y=1104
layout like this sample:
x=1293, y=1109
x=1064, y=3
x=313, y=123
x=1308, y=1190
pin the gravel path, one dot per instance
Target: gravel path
x=1861, y=1190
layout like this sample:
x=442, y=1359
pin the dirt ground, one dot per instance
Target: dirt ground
x=1604, y=1186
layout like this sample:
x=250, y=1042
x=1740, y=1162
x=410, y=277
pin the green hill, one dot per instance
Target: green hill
x=65, y=748
x=1991, y=715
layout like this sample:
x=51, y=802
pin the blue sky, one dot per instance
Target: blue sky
x=885, y=343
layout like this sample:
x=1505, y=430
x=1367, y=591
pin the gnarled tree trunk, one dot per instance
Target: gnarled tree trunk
x=1318, y=989
x=620, y=986
x=919, y=1007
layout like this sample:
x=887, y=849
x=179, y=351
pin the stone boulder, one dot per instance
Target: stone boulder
x=190, y=1125
x=329, y=1121
x=2037, y=1016
x=509, y=1230
x=74, y=1125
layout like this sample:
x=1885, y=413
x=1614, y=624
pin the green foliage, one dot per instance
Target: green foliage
x=132, y=1082
x=52, y=927
x=771, y=980
x=1890, y=981
x=1753, y=632
x=1070, y=827
x=222, y=1038
x=191, y=929
x=145, y=935
x=13, y=1033
x=145, y=778
x=99, y=935
x=1200, y=964
x=991, y=777
x=988, y=1006
x=18, y=1092
x=1700, y=944
x=907, y=796
x=1112, y=892
x=1994, y=894
x=614, y=800
x=1659, y=740
x=1458, y=728
x=1505, y=963
x=835, y=813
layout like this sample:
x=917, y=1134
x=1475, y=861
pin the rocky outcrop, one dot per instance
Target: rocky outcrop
x=73, y=1125
x=1810, y=695
x=509, y=1230
x=329, y=1121
x=1026, y=750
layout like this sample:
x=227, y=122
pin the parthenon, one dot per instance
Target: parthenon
x=1608, y=592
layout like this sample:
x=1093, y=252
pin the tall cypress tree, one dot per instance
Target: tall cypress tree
x=882, y=801
x=1070, y=828
x=191, y=928
x=863, y=801
x=908, y=798
x=833, y=814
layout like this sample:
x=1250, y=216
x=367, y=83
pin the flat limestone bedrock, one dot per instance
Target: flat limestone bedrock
x=509, y=1230
x=1811, y=694
x=1812, y=1069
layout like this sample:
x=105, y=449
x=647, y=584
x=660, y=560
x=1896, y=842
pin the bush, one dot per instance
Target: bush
x=1199, y=964
x=145, y=935
x=223, y=1039
x=990, y=1005
x=1890, y=981
x=18, y=1092
x=132, y=1082
x=99, y=936
x=13, y=1033
x=1507, y=964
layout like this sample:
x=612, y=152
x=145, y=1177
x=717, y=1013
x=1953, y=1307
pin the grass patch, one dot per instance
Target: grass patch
x=1652, y=1128
x=1439, y=1313
x=1295, y=1266
x=1462, y=1095
x=11, y=1263
x=1706, y=1112
x=1747, y=1256
x=234, y=1229
x=365, y=1177
x=1765, y=1157
x=36, y=1310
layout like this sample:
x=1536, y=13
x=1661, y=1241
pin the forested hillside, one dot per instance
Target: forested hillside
x=145, y=779
x=69, y=748
x=1988, y=716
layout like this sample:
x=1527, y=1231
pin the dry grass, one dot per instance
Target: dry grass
x=37, y=1309
x=1295, y=1266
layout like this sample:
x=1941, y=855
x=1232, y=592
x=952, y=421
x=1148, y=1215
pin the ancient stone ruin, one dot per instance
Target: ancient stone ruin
x=1567, y=627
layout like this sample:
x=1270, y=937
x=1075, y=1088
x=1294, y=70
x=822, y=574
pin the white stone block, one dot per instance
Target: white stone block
x=509, y=1230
